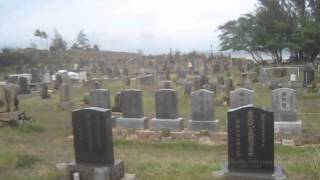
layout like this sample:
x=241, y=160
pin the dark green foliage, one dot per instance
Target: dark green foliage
x=275, y=27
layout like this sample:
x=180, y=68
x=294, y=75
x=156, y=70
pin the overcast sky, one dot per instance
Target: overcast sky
x=154, y=26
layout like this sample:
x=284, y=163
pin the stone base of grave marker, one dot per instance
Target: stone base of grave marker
x=170, y=124
x=283, y=127
x=278, y=174
x=91, y=172
x=132, y=123
x=210, y=126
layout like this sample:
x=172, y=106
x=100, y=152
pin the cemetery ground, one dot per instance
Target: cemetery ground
x=32, y=150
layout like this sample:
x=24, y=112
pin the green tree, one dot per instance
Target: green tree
x=274, y=27
x=58, y=44
x=82, y=42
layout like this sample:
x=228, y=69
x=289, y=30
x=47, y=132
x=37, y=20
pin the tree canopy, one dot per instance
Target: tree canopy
x=274, y=27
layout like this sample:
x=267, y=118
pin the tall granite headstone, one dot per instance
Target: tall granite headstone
x=203, y=111
x=93, y=145
x=166, y=103
x=132, y=110
x=251, y=145
x=284, y=104
x=241, y=97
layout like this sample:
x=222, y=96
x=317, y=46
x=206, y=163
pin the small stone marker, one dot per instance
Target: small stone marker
x=64, y=96
x=166, y=102
x=203, y=111
x=132, y=110
x=93, y=144
x=251, y=145
x=44, y=91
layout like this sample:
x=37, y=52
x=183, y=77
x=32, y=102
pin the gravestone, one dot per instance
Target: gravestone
x=229, y=85
x=241, y=97
x=44, y=91
x=46, y=77
x=308, y=75
x=197, y=83
x=132, y=110
x=64, y=93
x=203, y=111
x=134, y=83
x=117, y=102
x=57, y=82
x=146, y=79
x=166, y=103
x=99, y=98
x=93, y=145
x=36, y=75
x=24, y=86
x=251, y=145
x=284, y=104
x=187, y=89
x=220, y=80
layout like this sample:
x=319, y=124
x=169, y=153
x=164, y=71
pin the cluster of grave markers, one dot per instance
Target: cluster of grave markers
x=167, y=117
x=250, y=130
x=166, y=105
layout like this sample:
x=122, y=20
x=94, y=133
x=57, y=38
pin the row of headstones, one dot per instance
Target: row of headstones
x=250, y=145
x=166, y=104
x=284, y=105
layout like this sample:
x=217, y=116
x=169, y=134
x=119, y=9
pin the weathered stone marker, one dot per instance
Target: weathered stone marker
x=166, y=102
x=285, y=109
x=203, y=111
x=100, y=98
x=308, y=75
x=251, y=145
x=241, y=97
x=64, y=93
x=93, y=145
x=23, y=86
x=44, y=91
x=132, y=110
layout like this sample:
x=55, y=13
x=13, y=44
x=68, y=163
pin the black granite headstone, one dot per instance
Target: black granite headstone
x=250, y=140
x=92, y=131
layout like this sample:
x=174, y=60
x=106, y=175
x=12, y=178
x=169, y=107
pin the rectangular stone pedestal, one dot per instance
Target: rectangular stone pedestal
x=210, y=126
x=132, y=123
x=91, y=172
x=278, y=174
x=283, y=127
x=170, y=124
